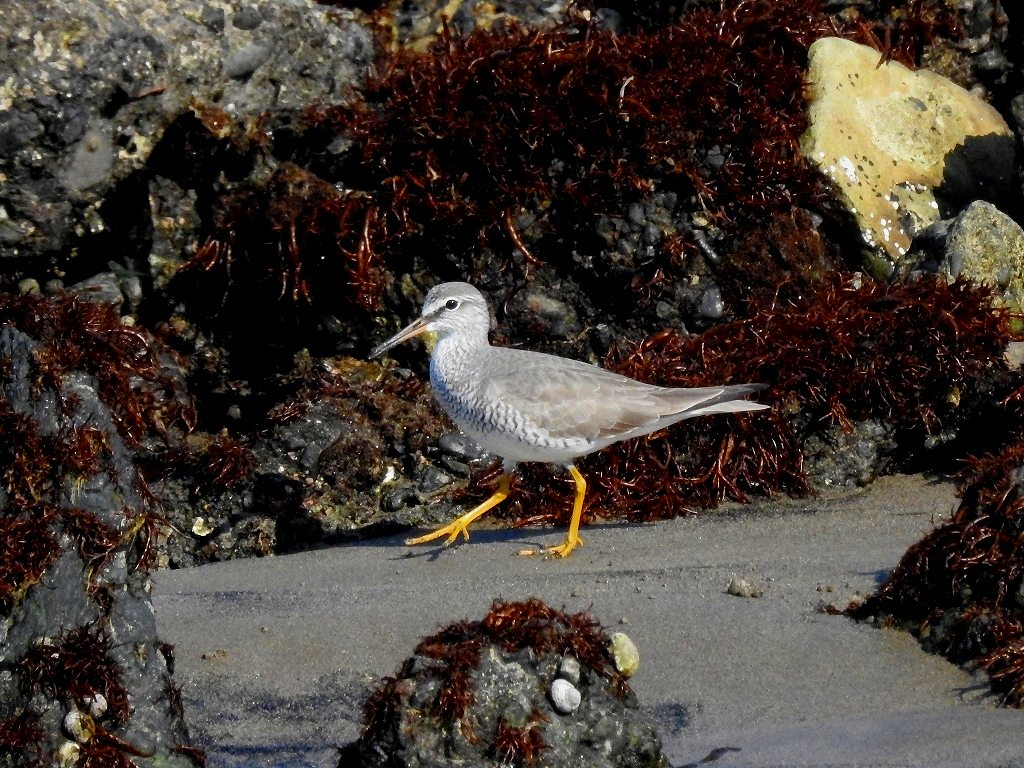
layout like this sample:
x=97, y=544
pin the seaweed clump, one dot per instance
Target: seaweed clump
x=457, y=687
x=27, y=549
x=910, y=355
x=72, y=336
x=585, y=121
x=133, y=372
x=72, y=501
x=959, y=589
x=509, y=148
x=77, y=666
x=511, y=140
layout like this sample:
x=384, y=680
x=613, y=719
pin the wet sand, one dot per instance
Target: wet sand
x=275, y=655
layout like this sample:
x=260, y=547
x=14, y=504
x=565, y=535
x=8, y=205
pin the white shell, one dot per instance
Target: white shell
x=565, y=696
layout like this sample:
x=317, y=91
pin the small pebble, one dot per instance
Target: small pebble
x=433, y=480
x=96, y=704
x=67, y=754
x=1015, y=355
x=625, y=653
x=79, y=726
x=400, y=498
x=458, y=445
x=453, y=465
x=569, y=669
x=244, y=61
x=29, y=286
x=201, y=528
x=743, y=588
x=246, y=17
x=565, y=696
x=711, y=304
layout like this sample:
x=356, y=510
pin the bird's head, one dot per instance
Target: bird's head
x=449, y=309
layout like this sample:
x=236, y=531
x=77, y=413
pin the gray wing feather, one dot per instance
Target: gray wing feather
x=572, y=399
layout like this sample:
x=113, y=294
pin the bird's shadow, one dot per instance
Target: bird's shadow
x=487, y=536
x=523, y=539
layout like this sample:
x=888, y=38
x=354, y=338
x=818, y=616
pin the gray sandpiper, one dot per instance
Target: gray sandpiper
x=530, y=406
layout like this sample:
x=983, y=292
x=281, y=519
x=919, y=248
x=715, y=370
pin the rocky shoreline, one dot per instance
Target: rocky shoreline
x=211, y=210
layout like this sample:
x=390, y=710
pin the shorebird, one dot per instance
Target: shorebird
x=529, y=406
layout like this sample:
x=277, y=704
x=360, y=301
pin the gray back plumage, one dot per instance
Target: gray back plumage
x=542, y=407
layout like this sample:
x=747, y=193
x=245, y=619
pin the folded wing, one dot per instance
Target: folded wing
x=570, y=399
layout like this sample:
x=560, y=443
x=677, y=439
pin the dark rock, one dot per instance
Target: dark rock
x=711, y=306
x=213, y=17
x=102, y=287
x=92, y=612
x=307, y=438
x=246, y=17
x=838, y=459
x=433, y=480
x=540, y=313
x=95, y=87
x=400, y=498
x=17, y=128
x=460, y=446
x=322, y=473
x=985, y=24
x=479, y=693
x=456, y=467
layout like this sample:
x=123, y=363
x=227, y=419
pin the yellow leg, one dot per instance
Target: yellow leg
x=460, y=525
x=573, y=540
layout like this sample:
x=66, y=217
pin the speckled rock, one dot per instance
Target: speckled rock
x=491, y=693
x=87, y=90
x=890, y=137
x=541, y=313
x=987, y=246
x=838, y=459
x=79, y=652
x=418, y=24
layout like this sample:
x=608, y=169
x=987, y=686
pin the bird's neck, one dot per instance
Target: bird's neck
x=463, y=344
x=455, y=362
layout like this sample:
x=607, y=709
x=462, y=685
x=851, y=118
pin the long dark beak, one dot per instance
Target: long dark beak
x=410, y=331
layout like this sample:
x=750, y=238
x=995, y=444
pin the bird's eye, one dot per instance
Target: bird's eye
x=451, y=304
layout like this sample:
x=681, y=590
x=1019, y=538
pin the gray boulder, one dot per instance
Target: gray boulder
x=89, y=89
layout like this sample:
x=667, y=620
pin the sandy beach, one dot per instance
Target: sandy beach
x=275, y=655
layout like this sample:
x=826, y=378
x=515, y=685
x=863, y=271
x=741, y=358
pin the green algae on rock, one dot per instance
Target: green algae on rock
x=987, y=246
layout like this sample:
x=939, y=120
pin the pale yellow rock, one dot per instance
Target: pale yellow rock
x=883, y=132
x=625, y=653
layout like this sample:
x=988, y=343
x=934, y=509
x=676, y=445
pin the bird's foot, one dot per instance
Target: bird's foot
x=562, y=550
x=458, y=526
